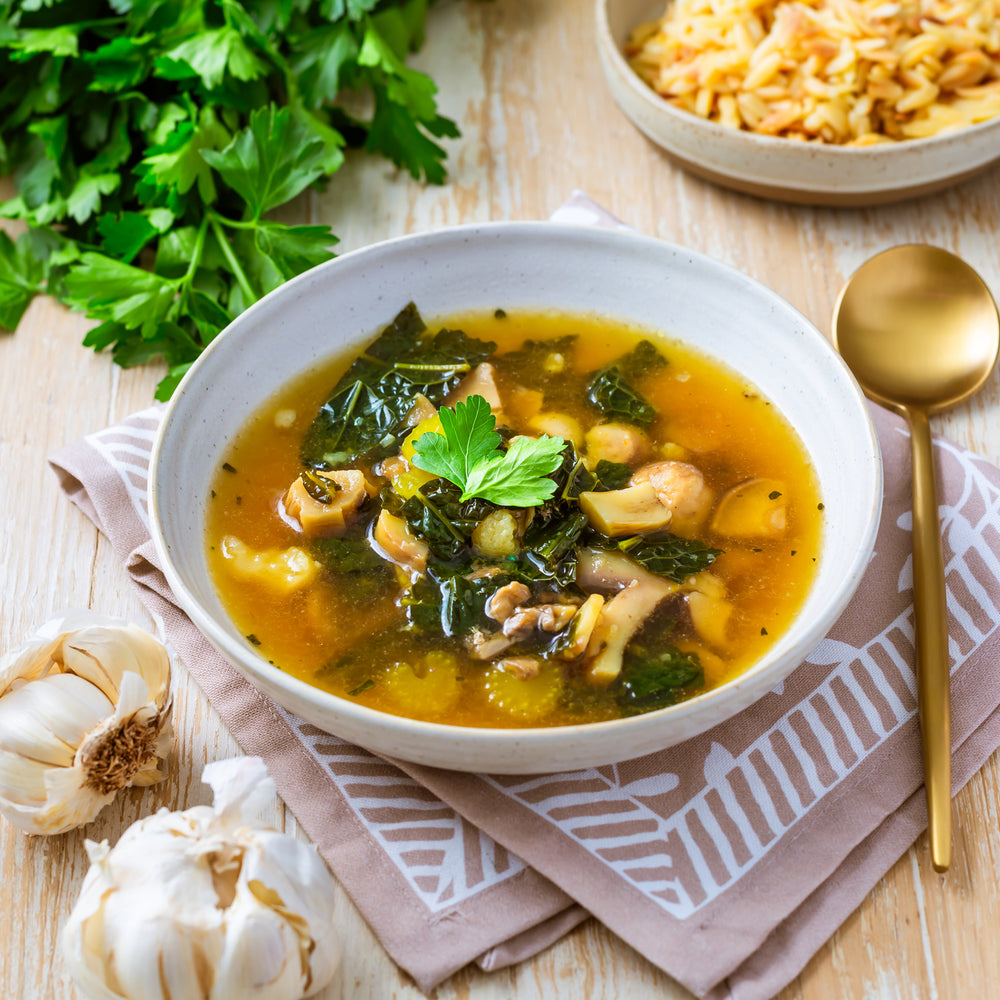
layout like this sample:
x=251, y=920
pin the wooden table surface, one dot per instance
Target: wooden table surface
x=522, y=79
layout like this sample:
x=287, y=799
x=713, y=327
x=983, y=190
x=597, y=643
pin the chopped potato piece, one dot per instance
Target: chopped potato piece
x=280, y=570
x=398, y=544
x=422, y=409
x=615, y=443
x=557, y=425
x=710, y=616
x=524, y=403
x=674, y=452
x=755, y=508
x=407, y=484
x=406, y=477
x=633, y=510
x=328, y=504
x=554, y=363
x=497, y=535
x=481, y=381
x=429, y=425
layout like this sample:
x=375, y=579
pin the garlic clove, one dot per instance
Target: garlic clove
x=263, y=950
x=23, y=778
x=84, y=712
x=46, y=720
x=103, y=656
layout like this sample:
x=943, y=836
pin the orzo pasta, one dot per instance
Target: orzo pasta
x=849, y=72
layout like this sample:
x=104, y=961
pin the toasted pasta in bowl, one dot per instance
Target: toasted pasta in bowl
x=824, y=101
x=853, y=72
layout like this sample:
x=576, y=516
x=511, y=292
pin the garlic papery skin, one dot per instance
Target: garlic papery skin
x=84, y=712
x=205, y=904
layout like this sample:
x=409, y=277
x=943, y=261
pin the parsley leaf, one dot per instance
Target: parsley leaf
x=518, y=478
x=21, y=276
x=468, y=434
x=270, y=162
x=466, y=452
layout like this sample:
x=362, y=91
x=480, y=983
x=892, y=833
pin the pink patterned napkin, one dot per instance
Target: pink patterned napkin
x=727, y=860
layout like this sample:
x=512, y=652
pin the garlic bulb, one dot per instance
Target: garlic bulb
x=84, y=711
x=205, y=904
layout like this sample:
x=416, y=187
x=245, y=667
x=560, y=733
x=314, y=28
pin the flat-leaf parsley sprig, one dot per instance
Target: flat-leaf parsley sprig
x=148, y=142
x=467, y=453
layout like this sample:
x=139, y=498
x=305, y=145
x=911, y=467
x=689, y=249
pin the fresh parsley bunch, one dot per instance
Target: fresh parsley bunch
x=150, y=139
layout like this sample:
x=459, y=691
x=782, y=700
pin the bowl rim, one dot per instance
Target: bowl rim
x=755, y=681
x=661, y=105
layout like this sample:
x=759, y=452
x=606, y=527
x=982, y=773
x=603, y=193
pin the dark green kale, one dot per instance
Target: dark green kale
x=612, y=475
x=366, y=412
x=615, y=398
x=450, y=602
x=668, y=555
x=551, y=547
x=437, y=514
x=528, y=364
x=611, y=391
x=370, y=575
x=652, y=679
x=644, y=359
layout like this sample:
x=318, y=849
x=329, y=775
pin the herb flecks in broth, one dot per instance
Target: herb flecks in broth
x=516, y=521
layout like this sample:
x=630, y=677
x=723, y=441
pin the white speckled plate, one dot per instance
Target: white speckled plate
x=783, y=169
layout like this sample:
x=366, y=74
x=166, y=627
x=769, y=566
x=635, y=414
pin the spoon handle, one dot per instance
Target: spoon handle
x=931, y=624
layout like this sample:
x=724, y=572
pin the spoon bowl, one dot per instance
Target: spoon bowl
x=918, y=327
x=920, y=330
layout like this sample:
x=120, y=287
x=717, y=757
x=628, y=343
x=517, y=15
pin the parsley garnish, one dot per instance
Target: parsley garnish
x=149, y=143
x=467, y=453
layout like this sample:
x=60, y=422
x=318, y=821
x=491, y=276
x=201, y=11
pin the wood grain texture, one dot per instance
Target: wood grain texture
x=522, y=79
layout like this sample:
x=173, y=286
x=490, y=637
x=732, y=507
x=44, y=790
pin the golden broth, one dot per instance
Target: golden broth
x=352, y=640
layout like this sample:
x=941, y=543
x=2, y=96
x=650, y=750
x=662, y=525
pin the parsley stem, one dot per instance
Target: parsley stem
x=234, y=223
x=234, y=264
x=199, y=248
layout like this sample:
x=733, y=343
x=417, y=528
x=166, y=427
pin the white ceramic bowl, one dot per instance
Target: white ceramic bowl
x=806, y=173
x=344, y=303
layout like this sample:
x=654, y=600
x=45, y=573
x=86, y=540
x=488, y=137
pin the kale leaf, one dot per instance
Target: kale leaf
x=371, y=576
x=651, y=680
x=612, y=475
x=367, y=409
x=610, y=388
x=615, y=398
x=668, y=555
x=453, y=603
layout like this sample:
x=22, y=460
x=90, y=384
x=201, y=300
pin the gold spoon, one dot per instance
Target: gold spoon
x=919, y=329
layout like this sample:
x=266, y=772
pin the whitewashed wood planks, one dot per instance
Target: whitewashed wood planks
x=522, y=79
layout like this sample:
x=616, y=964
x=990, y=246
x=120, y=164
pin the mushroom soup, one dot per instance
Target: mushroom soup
x=515, y=520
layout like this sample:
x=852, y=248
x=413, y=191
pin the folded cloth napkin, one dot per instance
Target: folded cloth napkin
x=727, y=860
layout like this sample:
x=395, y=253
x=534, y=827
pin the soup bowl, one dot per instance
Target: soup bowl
x=539, y=267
